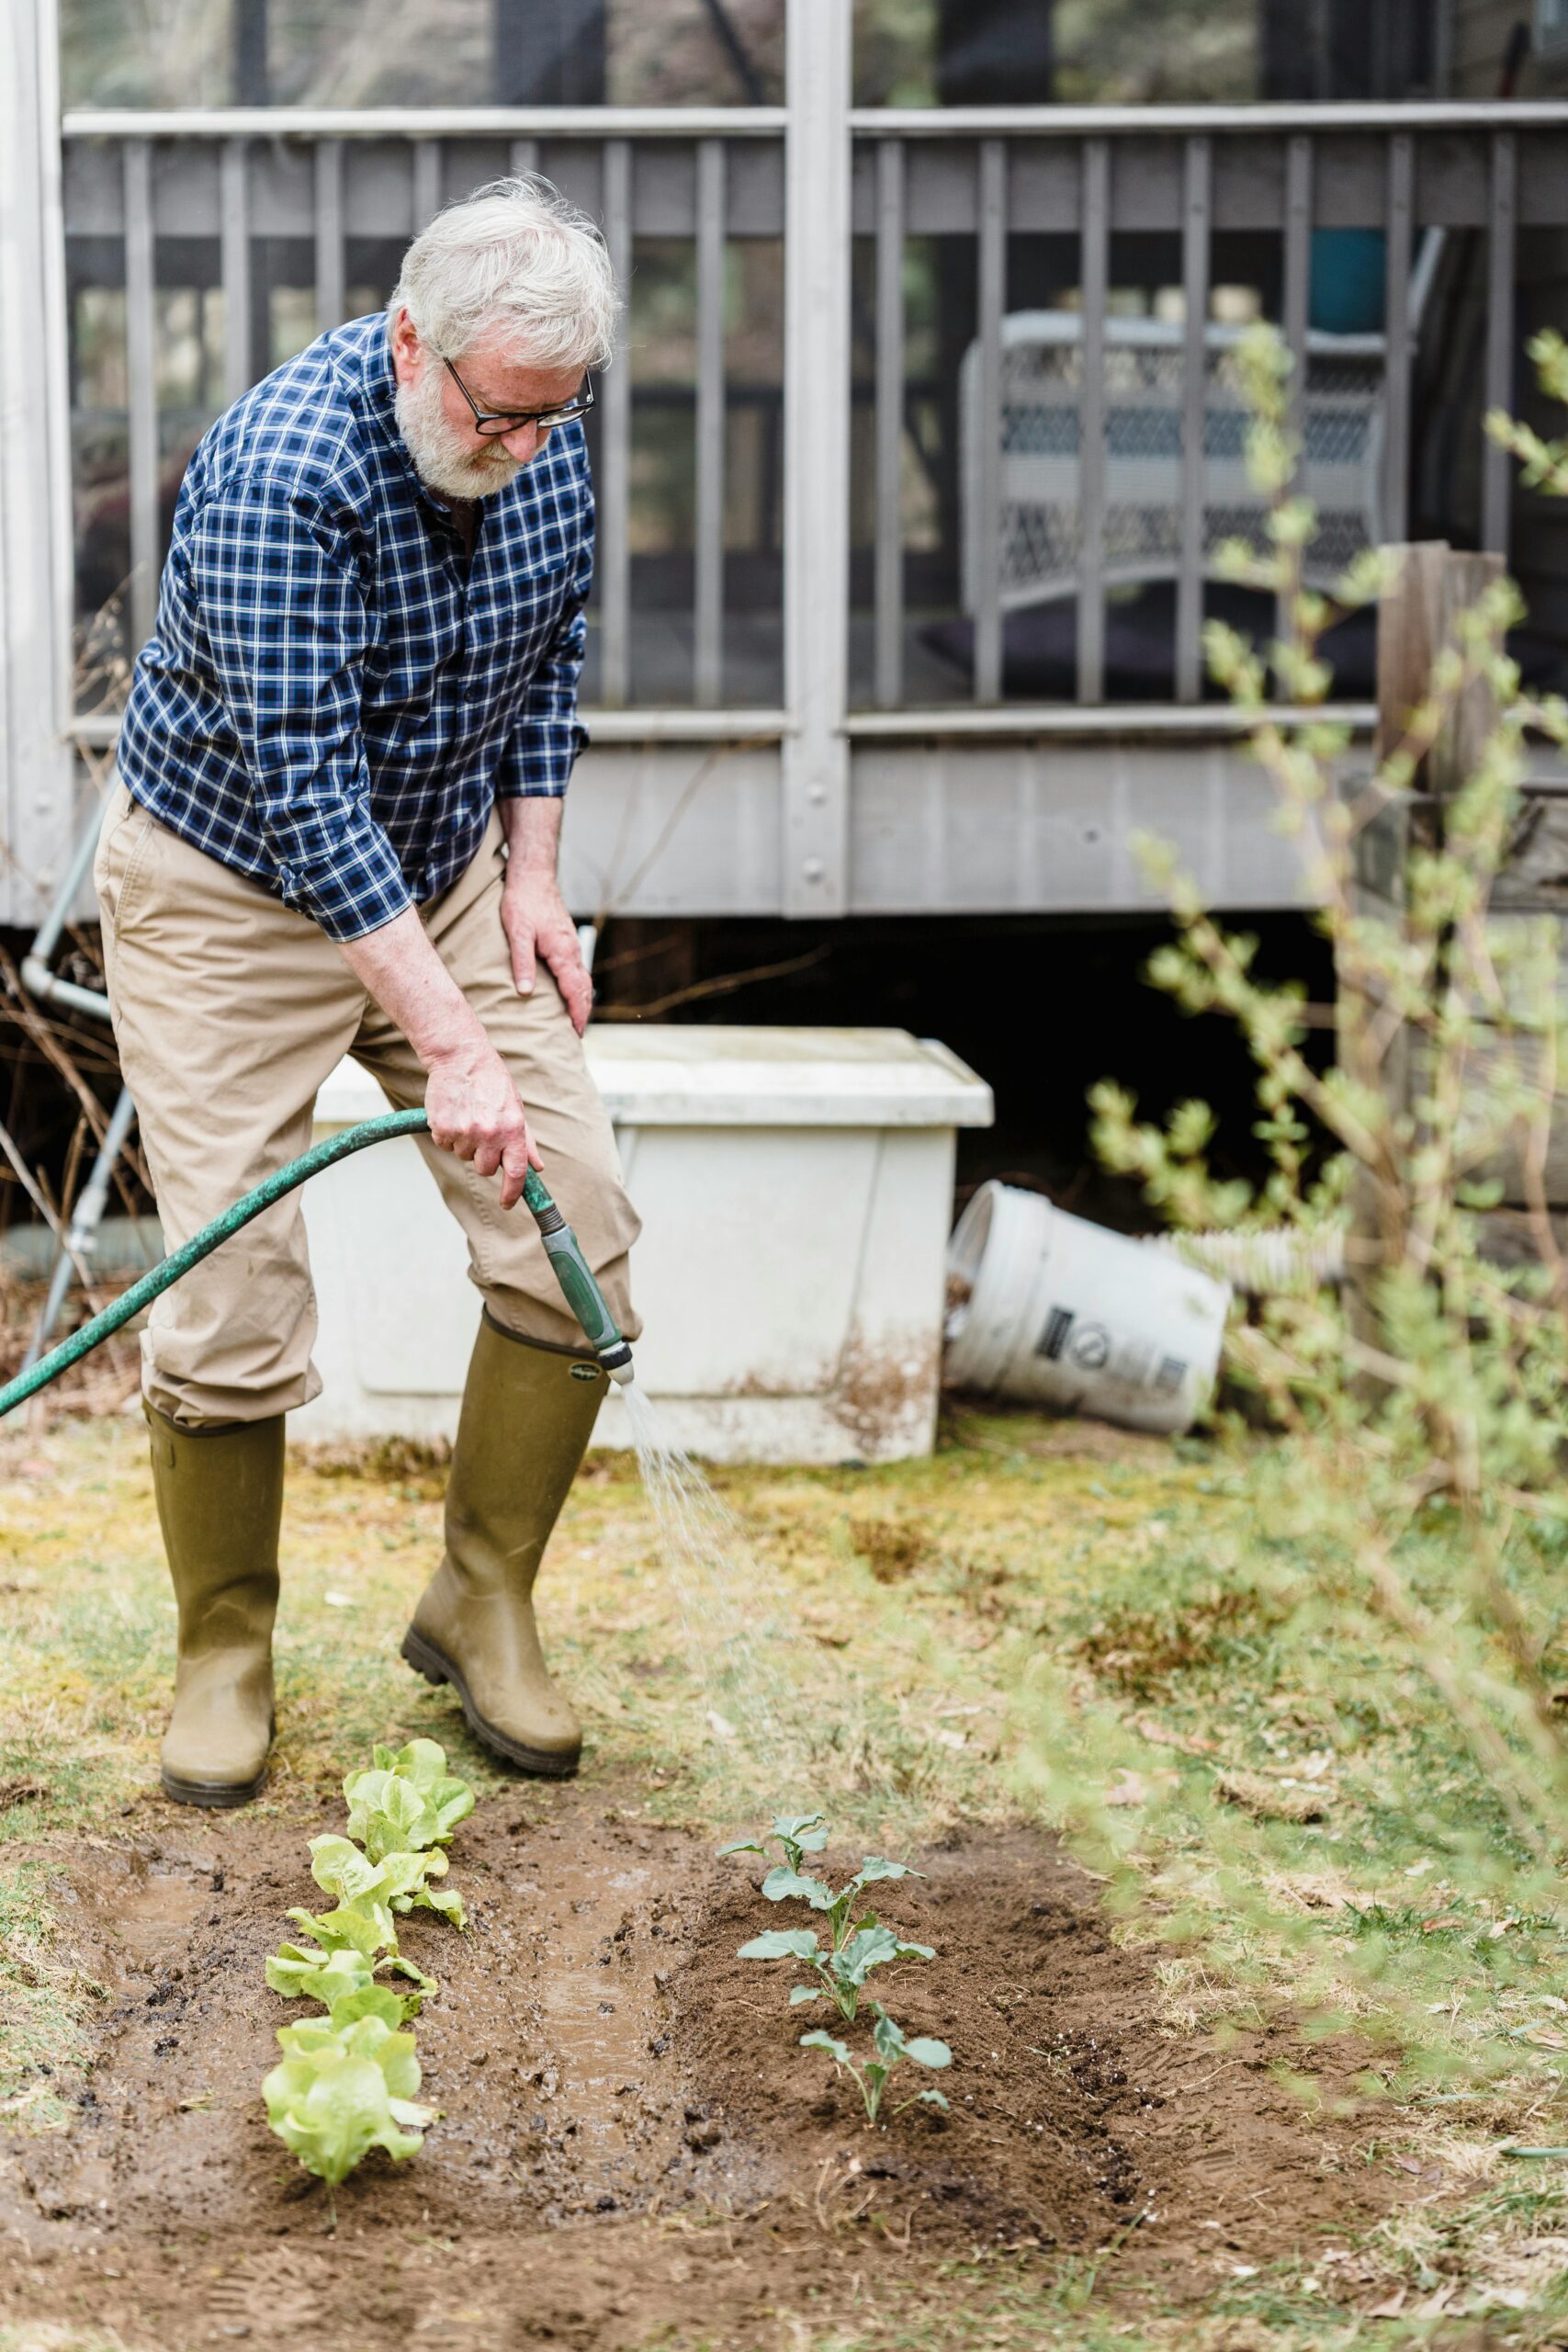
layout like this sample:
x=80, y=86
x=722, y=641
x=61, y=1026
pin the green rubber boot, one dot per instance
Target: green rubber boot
x=527, y=1414
x=219, y=1502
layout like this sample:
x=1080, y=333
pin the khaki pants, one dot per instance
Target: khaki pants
x=230, y=1010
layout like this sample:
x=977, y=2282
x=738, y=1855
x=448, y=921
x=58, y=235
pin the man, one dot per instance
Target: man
x=341, y=768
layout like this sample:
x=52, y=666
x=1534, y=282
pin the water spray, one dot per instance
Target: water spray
x=571, y=1269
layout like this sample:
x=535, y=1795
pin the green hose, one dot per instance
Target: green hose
x=571, y=1269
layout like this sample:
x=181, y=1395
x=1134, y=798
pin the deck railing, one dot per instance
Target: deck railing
x=1443, y=187
x=1075, y=436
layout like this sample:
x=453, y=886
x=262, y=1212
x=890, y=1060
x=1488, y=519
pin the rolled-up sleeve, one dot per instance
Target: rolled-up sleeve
x=286, y=627
x=540, y=752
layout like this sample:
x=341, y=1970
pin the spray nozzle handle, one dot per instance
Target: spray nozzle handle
x=575, y=1276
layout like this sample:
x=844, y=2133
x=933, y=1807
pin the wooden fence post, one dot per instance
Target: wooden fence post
x=1432, y=585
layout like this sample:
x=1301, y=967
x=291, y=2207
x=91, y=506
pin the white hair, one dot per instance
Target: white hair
x=513, y=258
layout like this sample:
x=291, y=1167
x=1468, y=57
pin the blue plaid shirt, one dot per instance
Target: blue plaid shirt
x=331, y=700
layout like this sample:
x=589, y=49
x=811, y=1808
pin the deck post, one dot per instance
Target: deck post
x=36, y=581
x=1432, y=585
x=815, y=763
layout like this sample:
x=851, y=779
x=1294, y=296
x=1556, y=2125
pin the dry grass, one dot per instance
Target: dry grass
x=926, y=1642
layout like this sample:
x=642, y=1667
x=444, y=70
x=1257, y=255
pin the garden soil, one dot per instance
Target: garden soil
x=631, y=2140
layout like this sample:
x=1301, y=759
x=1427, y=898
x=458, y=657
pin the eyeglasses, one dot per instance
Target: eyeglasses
x=491, y=423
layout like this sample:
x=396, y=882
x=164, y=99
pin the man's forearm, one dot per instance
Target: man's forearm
x=531, y=821
x=413, y=988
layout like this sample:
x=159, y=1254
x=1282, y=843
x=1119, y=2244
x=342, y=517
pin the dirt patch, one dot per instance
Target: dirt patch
x=631, y=2137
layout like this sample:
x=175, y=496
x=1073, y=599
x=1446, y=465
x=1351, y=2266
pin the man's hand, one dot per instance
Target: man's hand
x=533, y=912
x=476, y=1112
x=539, y=930
x=472, y=1105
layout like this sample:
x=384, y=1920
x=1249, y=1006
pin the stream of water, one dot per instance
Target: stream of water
x=721, y=1590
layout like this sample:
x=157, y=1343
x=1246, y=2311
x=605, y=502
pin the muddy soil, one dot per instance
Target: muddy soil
x=631, y=2139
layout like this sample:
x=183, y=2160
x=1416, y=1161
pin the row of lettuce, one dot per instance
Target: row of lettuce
x=348, y=2078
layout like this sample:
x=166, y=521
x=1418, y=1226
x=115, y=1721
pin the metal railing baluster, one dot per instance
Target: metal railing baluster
x=234, y=265
x=141, y=390
x=987, y=527
x=888, y=589
x=1297, y=294
x=1399, y=347
x=1093, y=279
x=1197, y=178
x=426, y=182
x=708, y=590
x=612, y=562
x=1502, y=215
x=332, y=295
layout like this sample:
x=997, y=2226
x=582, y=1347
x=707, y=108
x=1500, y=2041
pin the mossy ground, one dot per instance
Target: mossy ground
x=1045, y=1616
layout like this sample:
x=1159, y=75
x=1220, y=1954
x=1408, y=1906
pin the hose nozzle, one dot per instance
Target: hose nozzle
x=575, y=1276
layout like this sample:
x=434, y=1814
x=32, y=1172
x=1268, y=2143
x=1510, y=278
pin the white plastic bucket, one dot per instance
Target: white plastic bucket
x=1055, y=1311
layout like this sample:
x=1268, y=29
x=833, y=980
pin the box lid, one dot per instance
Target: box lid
x=666, y=1075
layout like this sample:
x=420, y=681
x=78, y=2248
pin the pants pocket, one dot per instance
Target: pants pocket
x=122, y=859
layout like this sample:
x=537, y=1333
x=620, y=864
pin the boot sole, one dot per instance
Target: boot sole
x=426, y=1659
x=214, y=1794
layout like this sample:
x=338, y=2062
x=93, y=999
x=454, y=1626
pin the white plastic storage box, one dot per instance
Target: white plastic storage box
x=795, y=1188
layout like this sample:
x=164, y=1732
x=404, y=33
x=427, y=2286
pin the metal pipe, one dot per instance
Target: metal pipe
x=36, y=975
x=81, y=1236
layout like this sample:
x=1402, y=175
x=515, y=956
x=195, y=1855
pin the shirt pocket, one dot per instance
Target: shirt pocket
x=512, y=629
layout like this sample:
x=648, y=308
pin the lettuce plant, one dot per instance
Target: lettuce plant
x=892, y=2046
x=341, y=2090
x=840, y=1973
x=305, y=1972
x=406, y=1801
x=400, y=1881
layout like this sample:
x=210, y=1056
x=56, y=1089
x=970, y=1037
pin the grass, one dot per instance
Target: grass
x=1090, y=1624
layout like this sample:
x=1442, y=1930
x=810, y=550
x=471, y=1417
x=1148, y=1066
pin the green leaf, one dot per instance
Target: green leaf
x=361, y=1926
x=875, y=1867
x=741, y=1845
x=338, y=1867
x=372, y=2001
x=926, y=2050
x=867, y=1949
x=445, y=1900
x=407, y=1801
x=836, y=2050
x=806, y=1830
x=781, y=1944
x=931, y=2098
x=305, y=1970
x=888, y=2037
x=799, y=1993
x=782, y=1883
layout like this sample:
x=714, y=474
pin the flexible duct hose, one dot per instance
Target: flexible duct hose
x=571, y=1269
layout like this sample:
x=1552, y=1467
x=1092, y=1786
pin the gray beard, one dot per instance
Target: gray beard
x=443, y=462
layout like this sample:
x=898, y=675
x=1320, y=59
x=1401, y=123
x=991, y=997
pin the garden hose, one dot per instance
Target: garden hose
x=572, y=1268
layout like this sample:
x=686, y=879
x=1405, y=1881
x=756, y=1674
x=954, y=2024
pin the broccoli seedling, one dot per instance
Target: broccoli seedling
x=892, y=2046
x=840, y=1973
x=807, y=1833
